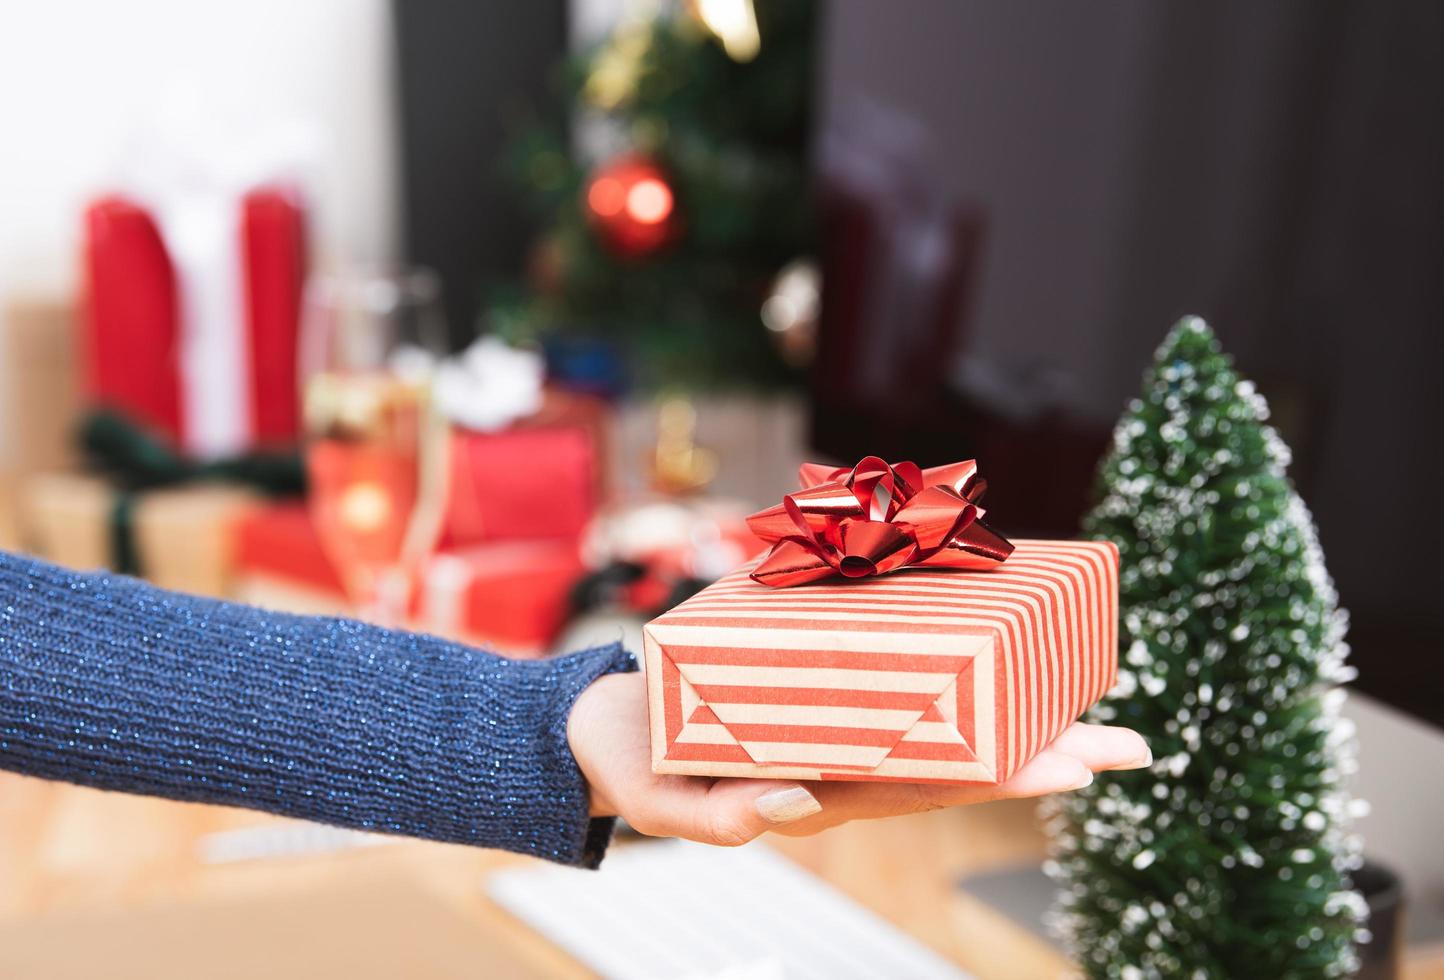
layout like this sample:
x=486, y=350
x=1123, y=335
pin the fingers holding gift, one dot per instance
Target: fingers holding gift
x=843, y=802
x=1068, y=764
x=1103, y=747
x=729, y=813
x=1050, y=771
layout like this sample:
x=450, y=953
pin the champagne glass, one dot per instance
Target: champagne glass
x=374, y=454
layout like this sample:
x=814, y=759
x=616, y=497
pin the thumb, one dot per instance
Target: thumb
x=734, y=811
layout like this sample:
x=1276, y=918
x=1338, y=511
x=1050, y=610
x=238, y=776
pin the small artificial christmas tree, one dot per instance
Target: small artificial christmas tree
x=1231, y=856
x=663, y=232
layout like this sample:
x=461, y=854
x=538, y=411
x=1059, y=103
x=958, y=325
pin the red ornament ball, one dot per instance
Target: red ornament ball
x=630, y=203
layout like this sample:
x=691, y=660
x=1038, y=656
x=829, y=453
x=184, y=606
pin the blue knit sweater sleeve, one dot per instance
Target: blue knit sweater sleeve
x=110, y=682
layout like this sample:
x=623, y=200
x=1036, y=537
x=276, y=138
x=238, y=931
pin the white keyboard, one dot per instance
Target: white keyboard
x=291, y=838
x=673, y=910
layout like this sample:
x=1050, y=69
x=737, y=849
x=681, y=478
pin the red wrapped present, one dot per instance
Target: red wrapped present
x=541, y=477
x=191, y=322
x=279, y=541
x=511, y=596
x=893, y=660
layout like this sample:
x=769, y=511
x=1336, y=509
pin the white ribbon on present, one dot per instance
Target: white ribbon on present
x=202, y=235
x=190, y=166
x=490, y=385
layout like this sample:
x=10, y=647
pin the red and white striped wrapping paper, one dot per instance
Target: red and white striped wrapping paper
x=916, y=676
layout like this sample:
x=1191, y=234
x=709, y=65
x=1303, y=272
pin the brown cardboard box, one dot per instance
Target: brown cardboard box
x=40, y=392
x=184, y=535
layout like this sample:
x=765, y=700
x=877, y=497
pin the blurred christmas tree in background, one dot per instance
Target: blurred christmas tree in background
x=681, y=195
x=1232, y=856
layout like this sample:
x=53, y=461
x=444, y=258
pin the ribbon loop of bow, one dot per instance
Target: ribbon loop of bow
x=875, y=518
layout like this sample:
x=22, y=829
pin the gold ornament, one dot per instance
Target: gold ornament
x=679, y=465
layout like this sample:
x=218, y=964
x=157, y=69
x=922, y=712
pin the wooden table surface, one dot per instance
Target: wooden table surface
x=104, y=884
x=98, y=883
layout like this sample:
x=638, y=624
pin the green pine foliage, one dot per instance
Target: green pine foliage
x=732, y=137
x=1231, y=856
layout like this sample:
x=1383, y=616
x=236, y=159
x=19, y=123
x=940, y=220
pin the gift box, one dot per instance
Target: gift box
x=39, y=387
x=192, y=316
x=182, y=537
x=917, y=676
x=511, y=596
x=889, y=635
x=540, y=477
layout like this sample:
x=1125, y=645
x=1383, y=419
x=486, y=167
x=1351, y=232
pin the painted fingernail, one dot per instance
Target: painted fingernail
x=1142, y=762
x=787, y=805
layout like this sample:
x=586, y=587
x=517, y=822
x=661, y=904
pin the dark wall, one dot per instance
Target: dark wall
x=470, y=74
x=1277, y=168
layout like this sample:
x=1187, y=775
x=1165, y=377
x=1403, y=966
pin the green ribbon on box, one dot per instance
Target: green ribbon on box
x=137, y=461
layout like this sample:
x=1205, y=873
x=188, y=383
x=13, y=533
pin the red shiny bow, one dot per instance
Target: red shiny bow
x=875, y=518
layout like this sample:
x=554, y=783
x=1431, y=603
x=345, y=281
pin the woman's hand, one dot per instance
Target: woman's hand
x=609, y=736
